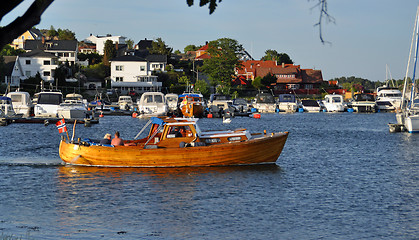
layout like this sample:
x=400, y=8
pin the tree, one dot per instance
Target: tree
x=191, y=48
x=51, y=33
x=9, y=51
x=256, y=83
x=202, y=87
x=65, y=34
x=278, y=57
x=109, y=52
x=159, y=47
x=225, y=57
x=130, y=43
x=268, y=80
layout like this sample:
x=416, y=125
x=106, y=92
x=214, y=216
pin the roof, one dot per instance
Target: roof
x=9, y=61
x=57, y=45
x=156, y=58
x=144, y=44
x=128, y=58
x=37, y=53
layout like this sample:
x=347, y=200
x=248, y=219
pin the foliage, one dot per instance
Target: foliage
x=225, y=57
x=9, y=51
x=257, y=82
x=51, y=33
x=202, y=86
x=212, y=4
x=109, y=52
x=355, y=83
x=65, y=34
x=191, y=48
x=159, y=47
x=130, y=43
x=267, y=80
x=99, y=71
x=278, y=57
x=92, y=57
x=184, y=80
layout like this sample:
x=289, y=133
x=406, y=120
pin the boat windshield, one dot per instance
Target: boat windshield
x=265, y=98
x=364, y=97
x=16, y=98
x=50, y=98
x=336, y=100
x=171, y=99
x=158, y=98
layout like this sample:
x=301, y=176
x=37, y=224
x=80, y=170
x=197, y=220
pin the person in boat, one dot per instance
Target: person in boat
x=106, y=139
x=117, y=141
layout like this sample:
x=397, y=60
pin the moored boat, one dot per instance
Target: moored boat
x=152, y=104
x=22, y=103
x=191, y=105
x=177, y=142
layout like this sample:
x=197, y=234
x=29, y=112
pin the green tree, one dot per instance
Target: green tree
x=130, y=43
x=202, y=86
x=51, y=33
x=257, y=82
x=159, y=47
x=9, y=51
x=268, y=80
x=109, y=52
x=278, y=57
x=191, y=48
x=225, y=57
x=65, y=34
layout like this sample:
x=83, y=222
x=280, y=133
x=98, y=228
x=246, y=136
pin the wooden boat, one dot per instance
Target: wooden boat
x=191, y=105
x=178, y=142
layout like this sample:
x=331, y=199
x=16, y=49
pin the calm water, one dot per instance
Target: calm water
x=340, y=176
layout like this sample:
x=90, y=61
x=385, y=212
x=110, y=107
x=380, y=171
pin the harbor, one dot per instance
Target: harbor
x=340, y=175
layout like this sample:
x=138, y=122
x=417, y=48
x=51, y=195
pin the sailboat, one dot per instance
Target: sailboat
x=408, y=116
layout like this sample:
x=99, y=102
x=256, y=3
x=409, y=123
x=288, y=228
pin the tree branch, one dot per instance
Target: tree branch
x=21, y=24
x=7, y=6
x=322, y=4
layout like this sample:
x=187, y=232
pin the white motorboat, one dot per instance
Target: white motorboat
x=265, y=102
x=6, y=107
x=73, y=107
x=334, y=103
x=152, y=104
x=364, y=103
x=172, y=101
x=287, y=103
x=388, y=98
x=21, y=102
x=47, y=104
x=125, y=103
x=310, y=105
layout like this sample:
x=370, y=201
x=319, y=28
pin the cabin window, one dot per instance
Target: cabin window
x=158, y=99
x=50, y=99
x=179, y=131
x=119, y=68
x=28, y=62
x=212, y=140
x=231, y=139
x=142, y=68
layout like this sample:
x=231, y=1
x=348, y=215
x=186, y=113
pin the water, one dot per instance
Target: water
x=340, y=176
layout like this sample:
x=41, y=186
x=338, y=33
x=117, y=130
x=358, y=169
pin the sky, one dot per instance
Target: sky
x=367, y=35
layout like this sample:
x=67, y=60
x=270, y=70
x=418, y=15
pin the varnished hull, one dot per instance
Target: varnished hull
x=255, y=151
x=193, y=110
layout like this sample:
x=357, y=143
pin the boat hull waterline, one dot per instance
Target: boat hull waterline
x=263, y=150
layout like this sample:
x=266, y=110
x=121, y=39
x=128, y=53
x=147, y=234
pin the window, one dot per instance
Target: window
x=119, y=68
x=47, y=74
x=142, y=68
x=119, y=79
x=28, y=62
x=27, y=73
x=47, y=62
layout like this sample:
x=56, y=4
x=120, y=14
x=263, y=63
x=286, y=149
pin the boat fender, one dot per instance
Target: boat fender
x=101, y=114
x=253, y=110
x=134, y=115
x=257, y=115
x=301, y=110
x=46, y=122
x=209, y=115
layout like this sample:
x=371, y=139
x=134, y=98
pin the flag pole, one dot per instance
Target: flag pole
x=74, y=129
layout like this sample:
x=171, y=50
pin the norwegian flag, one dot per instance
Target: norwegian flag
x=61, y=126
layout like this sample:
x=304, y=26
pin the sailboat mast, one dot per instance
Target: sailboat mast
x=408, y=59
x=412, y=91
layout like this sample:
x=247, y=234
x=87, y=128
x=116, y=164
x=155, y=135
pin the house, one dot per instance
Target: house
x=32, y=34
x=65, y=50
x=100, y=41
x=133, y=73
x=9, y=62
x=30, y=63
x=289, y=77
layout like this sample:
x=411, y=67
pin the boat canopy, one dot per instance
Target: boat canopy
x=286, y=98
x=5, y=98
x=189, y=95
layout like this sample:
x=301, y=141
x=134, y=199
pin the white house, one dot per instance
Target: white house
x=132, y=73
x=65, y=50
x=29, y=63
x=100, y=41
